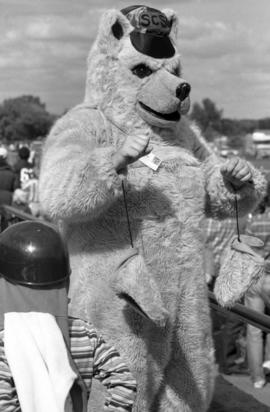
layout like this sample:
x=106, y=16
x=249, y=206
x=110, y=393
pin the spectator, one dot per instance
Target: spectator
x=8, y=181
x=47, y=359
x=258, y=297
x=26, y=198
x=228, y=331
x=31, y=188
x=23, y=166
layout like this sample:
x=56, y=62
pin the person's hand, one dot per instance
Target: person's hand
x=133, y=148
x=236, y=171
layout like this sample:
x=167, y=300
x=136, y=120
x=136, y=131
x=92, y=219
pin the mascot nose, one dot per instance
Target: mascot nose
x=183, y=91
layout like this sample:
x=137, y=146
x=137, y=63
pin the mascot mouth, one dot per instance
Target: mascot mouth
x=174, y=116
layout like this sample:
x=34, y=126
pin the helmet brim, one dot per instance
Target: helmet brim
x=49, y=282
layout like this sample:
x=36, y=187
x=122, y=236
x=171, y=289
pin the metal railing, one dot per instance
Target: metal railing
x=257, y=319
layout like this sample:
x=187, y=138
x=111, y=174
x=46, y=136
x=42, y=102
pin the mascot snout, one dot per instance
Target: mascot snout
x=163, y=98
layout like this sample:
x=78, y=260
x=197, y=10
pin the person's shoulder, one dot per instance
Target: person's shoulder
x=81, y=118
x=6, y=167
x=4, y=369
x=1, y=340
x=17, y=166
x=79, y=327
x=79, y=113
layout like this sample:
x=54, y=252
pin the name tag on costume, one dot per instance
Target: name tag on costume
x=151, y=161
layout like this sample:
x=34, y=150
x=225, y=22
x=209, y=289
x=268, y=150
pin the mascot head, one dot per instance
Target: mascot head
x=134, y=71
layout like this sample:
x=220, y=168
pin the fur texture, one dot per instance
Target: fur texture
x=153, y=305
x=241, y=268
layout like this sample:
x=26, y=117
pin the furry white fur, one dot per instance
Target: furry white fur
x=152, y=305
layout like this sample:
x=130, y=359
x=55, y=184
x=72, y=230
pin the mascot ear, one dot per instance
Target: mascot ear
x=174, y=22
x=113, y=28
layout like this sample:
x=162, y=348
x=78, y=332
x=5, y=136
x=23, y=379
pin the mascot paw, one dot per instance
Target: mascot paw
x=241, y=268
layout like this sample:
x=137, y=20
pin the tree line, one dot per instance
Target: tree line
x=213, y=124
x=25, y=118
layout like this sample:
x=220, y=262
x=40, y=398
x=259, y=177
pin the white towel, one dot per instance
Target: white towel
x=38, y=360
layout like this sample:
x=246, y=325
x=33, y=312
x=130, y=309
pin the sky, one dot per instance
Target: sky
x=224, y=45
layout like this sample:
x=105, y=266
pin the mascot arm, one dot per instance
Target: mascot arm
x=77, y=178
x=220, y=194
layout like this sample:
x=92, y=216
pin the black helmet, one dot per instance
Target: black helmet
x=33, y=253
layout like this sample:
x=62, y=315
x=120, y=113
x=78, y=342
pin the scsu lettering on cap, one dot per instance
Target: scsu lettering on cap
x=164, y=20
x=154, y=19
x=145, y=20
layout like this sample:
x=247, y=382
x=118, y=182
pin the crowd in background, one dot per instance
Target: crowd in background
x=19, y=182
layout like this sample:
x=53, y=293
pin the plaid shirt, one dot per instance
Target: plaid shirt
x=259, y=226
x=93, y=358
x=218, y=235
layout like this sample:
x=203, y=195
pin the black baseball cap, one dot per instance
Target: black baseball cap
x=151, y=31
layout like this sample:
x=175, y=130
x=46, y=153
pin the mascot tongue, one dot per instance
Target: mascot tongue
x=151, y=31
